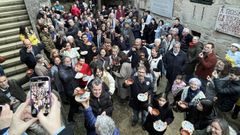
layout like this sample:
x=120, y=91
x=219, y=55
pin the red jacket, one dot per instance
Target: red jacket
x=206, y=66
x=75, y=11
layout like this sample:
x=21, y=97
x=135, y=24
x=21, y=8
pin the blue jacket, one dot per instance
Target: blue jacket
x=91, y=120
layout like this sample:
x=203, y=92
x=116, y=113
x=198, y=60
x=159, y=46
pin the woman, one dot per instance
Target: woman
x=25, y=33
x=160, y=29
x=190, y=97
x=88, y=46
x=70, y=52
x=218, y=126
x=151, y=34
x=54, y=53
x=106, y=77
x=124, y=73
x=84, y=68
x=159, y=110
x=156, y=65
x=204, y=113
x=169, y=42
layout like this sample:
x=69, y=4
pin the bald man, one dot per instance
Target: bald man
x=28, y=53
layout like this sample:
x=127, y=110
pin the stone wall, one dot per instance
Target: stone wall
x=201, y=18
x=33, y=7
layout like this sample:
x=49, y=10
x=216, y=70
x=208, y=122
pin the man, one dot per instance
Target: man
x=67, y=76
x=135, y=52
x=58, y=7
x=11, y=91
x=28, y=53
x=141, y=85
x=207, y=61
x=100, y=101
x=174, y=61
x=192, y=57
x=99, y=39
x=47, y=40
x=148, y=17
x=73, y=29
x=228, y=91
x=186, y=39
x=179, y=26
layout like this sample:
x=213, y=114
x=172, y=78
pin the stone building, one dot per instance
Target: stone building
x=200, y=16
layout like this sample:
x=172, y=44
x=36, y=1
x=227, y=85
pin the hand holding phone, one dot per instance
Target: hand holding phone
x=40, y=94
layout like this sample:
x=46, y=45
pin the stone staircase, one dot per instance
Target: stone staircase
x=13, y=14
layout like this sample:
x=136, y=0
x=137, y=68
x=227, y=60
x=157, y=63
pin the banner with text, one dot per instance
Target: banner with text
x=228, y=21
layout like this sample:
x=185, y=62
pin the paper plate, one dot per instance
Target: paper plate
x=159, y=126
x=142, y=97
x=81, y=98
x=187, y=125
x=84, y=52
x=86, y=78
x=78, y=75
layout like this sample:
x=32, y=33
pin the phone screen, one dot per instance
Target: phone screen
x=40, y=95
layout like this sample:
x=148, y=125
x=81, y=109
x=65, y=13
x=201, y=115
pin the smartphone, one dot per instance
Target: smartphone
x=40, y=95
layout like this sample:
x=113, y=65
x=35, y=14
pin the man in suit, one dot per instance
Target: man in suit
x=11, y=91
x=28, y=53
x=99, y=39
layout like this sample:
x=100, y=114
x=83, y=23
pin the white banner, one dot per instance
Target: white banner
x=228, y=21
x=162, y=7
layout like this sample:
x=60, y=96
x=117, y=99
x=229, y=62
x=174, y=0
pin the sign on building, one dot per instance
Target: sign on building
x=162, y=7
x=228, y=21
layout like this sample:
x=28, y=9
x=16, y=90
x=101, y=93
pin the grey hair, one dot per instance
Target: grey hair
x=176, y=43
x=176, y=30
x=223, y=124
x=186, y=30
x=157, y=40
x=70, y=38
x=105, y=125
x=196, y=81
x=97, y=81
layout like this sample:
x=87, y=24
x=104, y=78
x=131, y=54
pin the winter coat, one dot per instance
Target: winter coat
x=228, y=93
x=166, y=115
x=174, y=65
x=136, y=88
x=206, y=66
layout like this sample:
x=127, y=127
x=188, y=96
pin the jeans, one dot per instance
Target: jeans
x=136, y=115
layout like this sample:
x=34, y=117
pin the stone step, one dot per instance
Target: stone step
x=16, y=24
x=9, y=32
x=10, y=2
x=10, y=54
x=13, y=19
x=15, y=70
x=11, y=62
x=12, y=7
x=17, y=76
x=9, y=39
x=13, y=13
x=11, y=46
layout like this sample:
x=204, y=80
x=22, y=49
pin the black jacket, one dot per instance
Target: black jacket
x=166, y=115
x=29, y=58
x=174, y=65
x=228, y=93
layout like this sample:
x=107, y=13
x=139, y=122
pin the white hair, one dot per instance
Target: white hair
x=105, y=125
x=186, y=30
x=196, y=81
x=157, y=40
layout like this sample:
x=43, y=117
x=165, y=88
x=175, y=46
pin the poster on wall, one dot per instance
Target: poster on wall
x=228, y=21
x=162, y=7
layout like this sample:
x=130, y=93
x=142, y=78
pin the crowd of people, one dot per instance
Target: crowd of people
x=118, y=51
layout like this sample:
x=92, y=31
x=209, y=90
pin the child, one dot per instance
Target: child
x=178, y=85
x=164, y=113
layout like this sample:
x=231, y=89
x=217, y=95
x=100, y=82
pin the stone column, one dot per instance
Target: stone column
x=99, y=4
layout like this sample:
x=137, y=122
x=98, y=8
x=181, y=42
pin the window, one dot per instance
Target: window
x=207, y=2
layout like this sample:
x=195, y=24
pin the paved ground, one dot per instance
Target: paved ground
x=122, y=117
